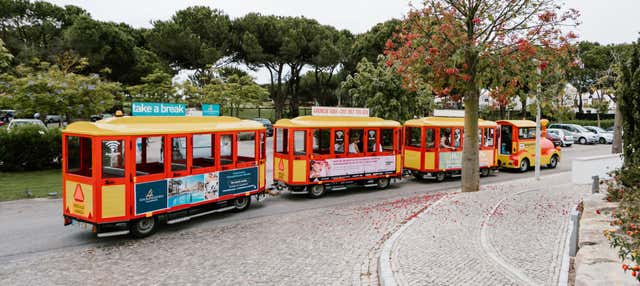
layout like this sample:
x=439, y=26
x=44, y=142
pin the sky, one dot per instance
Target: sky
x=606, y=22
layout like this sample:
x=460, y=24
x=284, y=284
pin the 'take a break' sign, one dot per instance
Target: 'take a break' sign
x=158, y=109
x=339, y=111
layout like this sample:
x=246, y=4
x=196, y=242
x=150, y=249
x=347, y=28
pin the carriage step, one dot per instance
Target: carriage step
x=113, y=233
x=338, y=188
x=183, y=219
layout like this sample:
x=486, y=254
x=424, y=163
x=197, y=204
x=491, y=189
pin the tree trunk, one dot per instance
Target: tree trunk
x=617, y=130
x=470, y=164
x=523, y=102
x=580, y=103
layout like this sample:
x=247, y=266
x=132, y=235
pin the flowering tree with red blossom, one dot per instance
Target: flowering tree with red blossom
x=452, y=46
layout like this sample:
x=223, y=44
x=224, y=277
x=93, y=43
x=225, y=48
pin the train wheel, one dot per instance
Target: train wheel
x=524, y=165
x=317, y=191
x=143, y=227
x=242, y=203
x=383, y=183
x=440, y=176
x=553, y=163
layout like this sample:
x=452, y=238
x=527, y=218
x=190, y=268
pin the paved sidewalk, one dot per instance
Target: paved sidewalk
x=506, y=234
x=326, y=246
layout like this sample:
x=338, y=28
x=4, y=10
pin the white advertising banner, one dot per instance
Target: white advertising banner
x=351, y=167
x=339, y=111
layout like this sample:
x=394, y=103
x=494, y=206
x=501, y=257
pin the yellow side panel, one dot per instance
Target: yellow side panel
x=281, y=169
x=262, y=171
x=79, y=198
x=300, y=170
x=113, y=201
x=398, y=163
x=429, y=160
x=412, y=159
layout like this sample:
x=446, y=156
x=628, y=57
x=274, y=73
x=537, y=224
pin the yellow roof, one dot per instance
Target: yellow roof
x=148, y=125
x=518, y=123
x=335, y=121
x=446, y=122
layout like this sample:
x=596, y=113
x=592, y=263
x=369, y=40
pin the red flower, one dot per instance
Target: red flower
x=634, y=273
x=543, y=65
x=625, y=267
x=476, y=20
x=433, y=51
x=597, y=211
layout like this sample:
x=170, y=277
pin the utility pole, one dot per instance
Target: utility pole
x=537, y=168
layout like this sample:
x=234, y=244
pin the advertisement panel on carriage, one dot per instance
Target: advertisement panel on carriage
x=339, y=168
x=169, y=193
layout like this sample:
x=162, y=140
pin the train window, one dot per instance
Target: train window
x=430, y=138
x=282, y=141
x=300, y=142
x=178, y=153
x=355, y=141
x=372, y=141
x=387, y=140
x=79, y=156
x=246, y=147
x=527, y=133
x=202, y=151
x=149, y=155
x=488, y=137
x=113, y=158
x=457, y=138
x=338, y=142
x=226, y=149
x=322, y=141
x=445, y=138
x=413, y=137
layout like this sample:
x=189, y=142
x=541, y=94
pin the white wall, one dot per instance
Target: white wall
x=584, y=168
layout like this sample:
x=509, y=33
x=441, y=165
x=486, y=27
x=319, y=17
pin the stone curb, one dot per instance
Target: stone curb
x=385, y=269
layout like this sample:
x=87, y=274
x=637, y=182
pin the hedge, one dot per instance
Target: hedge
x=604, y=123
x=30, y=148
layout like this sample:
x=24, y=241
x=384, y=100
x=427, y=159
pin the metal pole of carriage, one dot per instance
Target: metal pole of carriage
x=537, y=167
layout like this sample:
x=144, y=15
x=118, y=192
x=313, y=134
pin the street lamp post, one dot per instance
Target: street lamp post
x=537, y=167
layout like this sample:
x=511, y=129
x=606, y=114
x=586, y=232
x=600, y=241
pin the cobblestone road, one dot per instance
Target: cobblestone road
x=507, y=234
x=327, y=246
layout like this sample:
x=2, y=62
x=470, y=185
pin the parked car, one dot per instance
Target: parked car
x=53, y=118
x=97, y=117
x=22, y=122
x=604, y=137
x=557, y=141
x=580, y=134
x=267, y=124
x=565, y=137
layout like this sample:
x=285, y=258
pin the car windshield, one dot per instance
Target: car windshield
x=582, y=129
x=597, y=129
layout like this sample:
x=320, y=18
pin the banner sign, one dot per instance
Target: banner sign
x=320, y=170
x=450, y=160
x=448, y=113
x=211, y=110
x=339, y=111
x=485, y=158
x=158, y=195
x=151, y=196
x=158, y=109
x=238, y=181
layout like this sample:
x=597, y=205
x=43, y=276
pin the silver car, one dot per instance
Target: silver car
x=565, y=136
x=22, y=122
x=580, y=134
x=604, y=137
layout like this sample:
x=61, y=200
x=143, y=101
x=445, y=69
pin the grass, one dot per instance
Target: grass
x=14, y=185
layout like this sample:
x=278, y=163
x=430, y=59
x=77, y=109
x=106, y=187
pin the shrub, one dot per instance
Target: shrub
x=30, y=148
x=626, y=237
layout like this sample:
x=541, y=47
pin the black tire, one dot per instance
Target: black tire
x=484, y=172
x=441, y=176
x=383, y=183
x=582, y=140
x=602, y=140
x=242, y=203
x=317, y=191
x=553, y=163
x=524, y=165
x=143, y=227
x=419, y=176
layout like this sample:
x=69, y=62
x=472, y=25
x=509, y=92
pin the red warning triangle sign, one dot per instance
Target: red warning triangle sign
x=78, y=195
x=280, y=165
